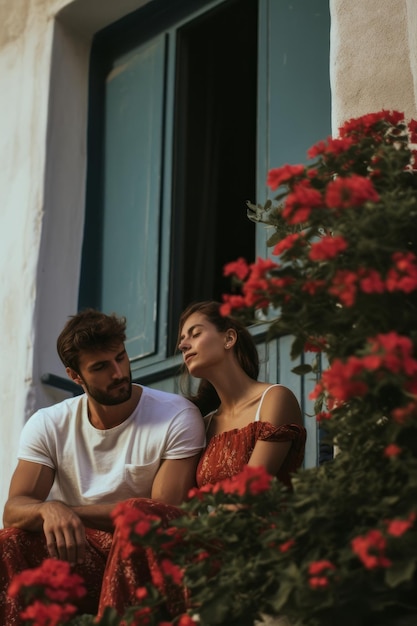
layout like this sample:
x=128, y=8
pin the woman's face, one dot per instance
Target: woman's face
x=201, y=344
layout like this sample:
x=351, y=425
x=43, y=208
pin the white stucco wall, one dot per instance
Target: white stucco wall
x=373, y=57
x=43, y=111
x=25, y=45
x=43, y=115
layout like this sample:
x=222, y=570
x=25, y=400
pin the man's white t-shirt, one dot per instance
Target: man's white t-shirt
x=105, y=466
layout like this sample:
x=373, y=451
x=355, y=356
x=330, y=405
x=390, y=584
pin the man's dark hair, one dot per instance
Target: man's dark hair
x=89, y=330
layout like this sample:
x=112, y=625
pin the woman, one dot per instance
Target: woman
x=247, y=421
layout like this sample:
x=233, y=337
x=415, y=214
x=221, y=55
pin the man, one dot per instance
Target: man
x=80, y=457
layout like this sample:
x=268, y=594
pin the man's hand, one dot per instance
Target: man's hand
x=64, y=532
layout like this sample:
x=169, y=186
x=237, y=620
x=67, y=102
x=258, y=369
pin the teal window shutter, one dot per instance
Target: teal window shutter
x=132, y=192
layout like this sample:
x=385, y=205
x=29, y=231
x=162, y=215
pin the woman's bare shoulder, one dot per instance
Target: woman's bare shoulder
x=280, y=406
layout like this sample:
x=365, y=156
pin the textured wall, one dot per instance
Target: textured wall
x=371, y=66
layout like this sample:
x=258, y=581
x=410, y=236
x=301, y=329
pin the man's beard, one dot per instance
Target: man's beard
x=108, y=399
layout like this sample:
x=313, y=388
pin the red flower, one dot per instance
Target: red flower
x=262, y=267
x=157, y=577
x=344, y=193
x=141, y=593
x=398, y=527
x=412, y=127
x=313, y=286
x=300, y=202
x=392, y=450
x=370, y=549
x=231, y=303
x=129, y=520
x=317, y=582
x=239, y=268
x=323, y=415
x=186, y=620
x=259, y=283
x=287, y=243
x=327, y=248
x=333, y=146
x=173, y=571
x=344, y=287
x=253, y=480
x=395, y=352
x=315, y=345
x=370, y=281
x=142, y=616
x=175, y=536
x=403, y=276
x=203, y=555
x=55, y=576
x=48, y=614
x=276, y=177
x=365, y=125
x=287, y=545
x=142, y=527
x=403, y=413
x=341, y=380
x=315, y=569
x=316, y=150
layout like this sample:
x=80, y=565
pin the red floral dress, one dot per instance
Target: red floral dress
x=228, y=452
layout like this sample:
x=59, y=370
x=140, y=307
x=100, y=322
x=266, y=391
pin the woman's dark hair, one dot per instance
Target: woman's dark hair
x=206, y=397
x=89, y=330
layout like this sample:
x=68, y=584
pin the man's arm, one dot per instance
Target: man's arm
x=29, y=488
x=171, y=485
x=27, y=508
x=174, y=480
x=96, y=515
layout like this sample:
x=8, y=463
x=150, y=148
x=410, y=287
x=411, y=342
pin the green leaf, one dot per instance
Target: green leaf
x=305, y=368
x=401, y=572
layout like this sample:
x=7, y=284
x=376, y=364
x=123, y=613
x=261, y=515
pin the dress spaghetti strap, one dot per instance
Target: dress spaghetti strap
x=258, y=412
x=208, y=418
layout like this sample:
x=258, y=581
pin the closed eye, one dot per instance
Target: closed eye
x=97, y=367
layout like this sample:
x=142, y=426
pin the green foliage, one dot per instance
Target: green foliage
x=257, y=557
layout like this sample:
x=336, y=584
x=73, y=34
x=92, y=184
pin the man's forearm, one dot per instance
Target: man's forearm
x=26, y=513
x=96, y=515
x=23, y=512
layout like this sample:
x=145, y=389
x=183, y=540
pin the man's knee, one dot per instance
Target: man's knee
x=12, y=535
x=15, y=541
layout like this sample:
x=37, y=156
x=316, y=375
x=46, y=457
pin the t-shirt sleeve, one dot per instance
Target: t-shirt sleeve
x=34, y=444
x=186, y=435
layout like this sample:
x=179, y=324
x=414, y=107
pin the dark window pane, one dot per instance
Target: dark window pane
x=214, y=151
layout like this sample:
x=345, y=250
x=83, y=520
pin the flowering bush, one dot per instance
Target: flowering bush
x=344, y=285
x=345, y=280
x=341, y=548
x=49, y=592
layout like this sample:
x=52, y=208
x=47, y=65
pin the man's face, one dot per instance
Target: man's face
x=105, y=375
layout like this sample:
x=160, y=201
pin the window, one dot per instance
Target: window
x=171, y=163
